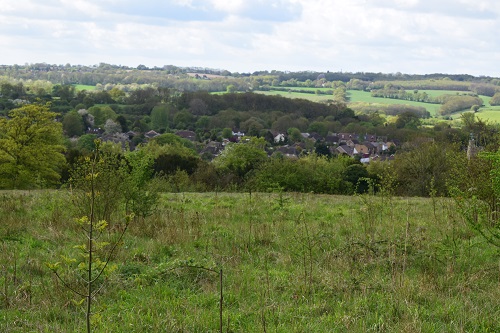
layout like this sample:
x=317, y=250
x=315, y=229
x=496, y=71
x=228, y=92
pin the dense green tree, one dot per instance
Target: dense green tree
x=164, y=94
x=241, y=158
x=474, y=183
x=80, y=96
x=311, y=173
x=252, y=126
x=321, y=149
x=89, y=101
x=183, y=119
x=140, y=125
x=340, y=94
x=117, y=94
x=141, y=196
x=495, y=100
x=142, y=96
x=374, y=118
x=12, y=91
x=408, y=120
x=40, y=88
x=203, y=123
x=472, y=176
x=484, y=133
x=227, y=133
x=319, y=127
x=86, y=143
x=357, y=176
x=198, y=107
x=459, y=103
x=424, y=167
x=483, y=89
x=172, y=139
x=159, y=117
x=169, y=158
x=102, y=97
x=294, y=135
x=285, y=122
x=226, y=118
x=73, y=124
x=123, y=123
x=112, y=127
x=31, y=150
x=101, y=114
x=64, y=92
x=281, y=172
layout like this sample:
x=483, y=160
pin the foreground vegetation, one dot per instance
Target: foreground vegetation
x=291, y=263
x=112, y=250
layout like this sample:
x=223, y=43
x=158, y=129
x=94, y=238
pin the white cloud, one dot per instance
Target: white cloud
x=453, y=36
x=232, y=7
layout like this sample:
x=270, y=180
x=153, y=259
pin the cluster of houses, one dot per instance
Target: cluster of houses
x=367, y=147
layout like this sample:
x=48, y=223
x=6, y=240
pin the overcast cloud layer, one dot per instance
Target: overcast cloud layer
x=408, y=36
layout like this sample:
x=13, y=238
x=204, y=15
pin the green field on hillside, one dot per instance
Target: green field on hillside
x=436, y=93
x=487, y=112
x=311, y=97
x=490, y=114
x=366, y=97
x=313, y=89
x=353, y=97
x=291, y=263
x=79, y=87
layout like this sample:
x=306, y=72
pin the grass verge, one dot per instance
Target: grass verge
x=291, y=262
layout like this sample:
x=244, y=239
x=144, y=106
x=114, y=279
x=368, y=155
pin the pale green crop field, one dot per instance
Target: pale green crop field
x=436, y=93
x=487, y=112
x=84, y=87
x=311, y=88
x=311, y=97
x=366, y=97
x=490, y=114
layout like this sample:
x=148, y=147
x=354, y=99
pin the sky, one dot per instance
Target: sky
x=388, y=36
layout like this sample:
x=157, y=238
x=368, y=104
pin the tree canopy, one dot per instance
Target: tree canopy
x=240, y=158
x=31, y=150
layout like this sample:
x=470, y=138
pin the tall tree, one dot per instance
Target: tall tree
x=64, y=92
x=31, y=150
x=73, y=124
x=159, y=117
x=112, y=127
x=101, y=114
x=240, y=158
x=495, y=100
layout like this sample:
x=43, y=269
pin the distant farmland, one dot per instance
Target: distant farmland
x=487, y=112
x=84, y=87
x=366, y=97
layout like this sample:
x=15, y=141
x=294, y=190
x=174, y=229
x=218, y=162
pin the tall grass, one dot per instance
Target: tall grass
x=292, y=263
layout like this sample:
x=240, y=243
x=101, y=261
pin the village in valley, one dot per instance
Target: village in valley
x=363, y=147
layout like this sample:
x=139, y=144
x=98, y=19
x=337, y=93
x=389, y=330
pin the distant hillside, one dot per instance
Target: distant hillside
x=198, y=78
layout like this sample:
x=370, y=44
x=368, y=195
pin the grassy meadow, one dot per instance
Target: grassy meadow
x=79, y=87
x=366, y=97
x=355, y=96
x=292, y=94
x=487, y=112
x=291, y=263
